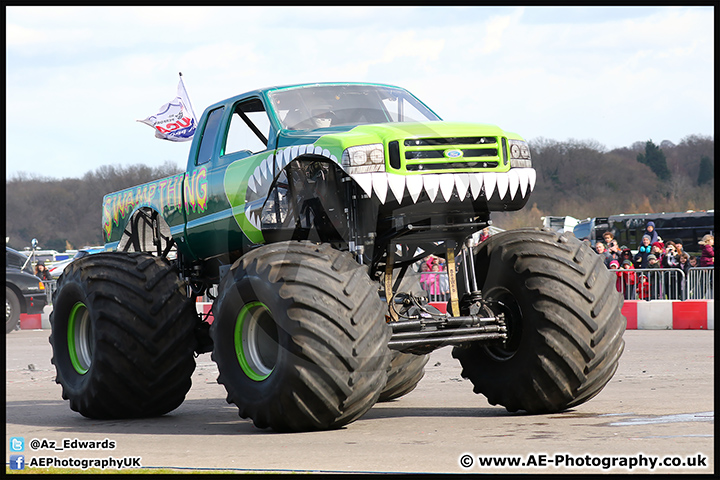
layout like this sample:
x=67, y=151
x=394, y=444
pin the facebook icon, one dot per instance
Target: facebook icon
x=17, y=462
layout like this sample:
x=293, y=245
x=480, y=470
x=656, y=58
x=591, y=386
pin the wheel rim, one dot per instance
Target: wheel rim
x=8, y=310
x=256, y=341
x=503, y=301
x=80, y=338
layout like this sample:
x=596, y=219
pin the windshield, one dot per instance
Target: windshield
x=322, y=106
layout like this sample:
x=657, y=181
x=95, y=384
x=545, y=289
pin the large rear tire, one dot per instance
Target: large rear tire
x=122, y=336
x=564, y=322
x=406, y=371
x=300, y=338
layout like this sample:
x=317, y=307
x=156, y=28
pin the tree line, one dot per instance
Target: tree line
x=67, y=213
x=577, y=178
x=583, y=179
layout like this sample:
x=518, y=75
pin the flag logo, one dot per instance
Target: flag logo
x=175, y=120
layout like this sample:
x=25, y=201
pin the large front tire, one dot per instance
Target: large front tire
x=122, y=336
x=564, y=322
x=300, y=338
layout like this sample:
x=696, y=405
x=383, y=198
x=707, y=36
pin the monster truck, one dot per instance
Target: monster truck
x=307, y=206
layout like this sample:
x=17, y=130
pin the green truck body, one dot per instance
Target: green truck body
x=303, y=214
x=220, y=204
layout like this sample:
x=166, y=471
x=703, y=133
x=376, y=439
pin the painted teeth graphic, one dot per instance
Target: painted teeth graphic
x=265, y=170
x=252, y=218
x=269, y=166
x=379, y=185
x=441, y=186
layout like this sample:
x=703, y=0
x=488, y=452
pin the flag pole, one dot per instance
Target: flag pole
x=186, y=97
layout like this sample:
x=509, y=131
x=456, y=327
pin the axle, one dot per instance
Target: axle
x=422, y=328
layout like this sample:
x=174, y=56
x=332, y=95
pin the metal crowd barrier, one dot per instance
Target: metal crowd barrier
x=49, y=289
x=700, y=283
x=648, y=284
x=666, y=283
x=436, y=285
x=657, y=284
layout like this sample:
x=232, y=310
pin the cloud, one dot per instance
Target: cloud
x=221, y=56
x=611, y=74
x=495, y=30
x=407, y=44
x=16, y=35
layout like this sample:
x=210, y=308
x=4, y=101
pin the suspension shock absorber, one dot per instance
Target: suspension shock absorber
x=471, y=265
x=452, y=277
x=389, y=295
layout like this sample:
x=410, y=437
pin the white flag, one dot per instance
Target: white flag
x=176, y=120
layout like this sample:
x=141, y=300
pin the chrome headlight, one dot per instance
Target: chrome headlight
x=364, y=158
x=519, y=154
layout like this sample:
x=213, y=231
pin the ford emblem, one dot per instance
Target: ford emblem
x=454, y=153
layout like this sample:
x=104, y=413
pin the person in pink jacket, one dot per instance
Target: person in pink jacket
x=707, y=259
x=707, y=255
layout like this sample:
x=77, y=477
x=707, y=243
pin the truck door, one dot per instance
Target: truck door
x=239, y=145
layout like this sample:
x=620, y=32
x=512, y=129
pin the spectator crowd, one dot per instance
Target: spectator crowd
x=655, y=253
x=650, y=274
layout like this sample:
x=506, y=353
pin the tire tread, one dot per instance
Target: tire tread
x=577, y=319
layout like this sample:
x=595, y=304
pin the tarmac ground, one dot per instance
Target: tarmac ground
x=656, y=415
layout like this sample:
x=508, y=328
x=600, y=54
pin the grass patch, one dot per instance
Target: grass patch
x=95, y=471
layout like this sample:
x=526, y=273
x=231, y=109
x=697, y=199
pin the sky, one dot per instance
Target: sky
x=79, y=78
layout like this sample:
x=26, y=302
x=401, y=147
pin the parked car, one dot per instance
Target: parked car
x=18, y=260
x=24, y=292
x=57, y=268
